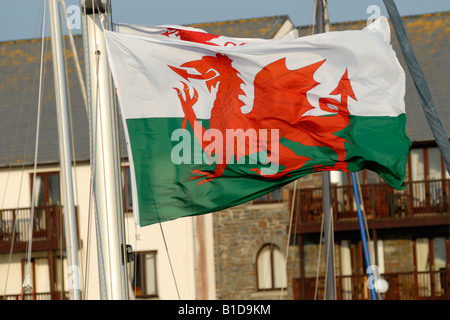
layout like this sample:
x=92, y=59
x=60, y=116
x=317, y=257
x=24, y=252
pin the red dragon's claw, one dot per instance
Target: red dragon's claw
x=195, y=94
x=200, y=174
x=186, y=88
x=187, y=102
x=204, y=181
x=205, y=176
x=190, y=100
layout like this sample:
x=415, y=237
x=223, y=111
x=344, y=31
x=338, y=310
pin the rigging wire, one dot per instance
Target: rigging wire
x=366, y=227
x=170, y=262
x=27, y=284
x=318, y=257
x=102, y=24
x=97, y=113
x=363, y=210
x=291, y=216
x=295, y=228
x=77, y=63
x=91, y=201
x=93, y=212
x=330, y=224
x=75, y=57
x=25, y=147
x=92, y=150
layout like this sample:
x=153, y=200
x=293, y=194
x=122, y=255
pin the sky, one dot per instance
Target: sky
x=21, y=19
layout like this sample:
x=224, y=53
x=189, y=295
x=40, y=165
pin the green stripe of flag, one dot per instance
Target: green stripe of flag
x=165, y=192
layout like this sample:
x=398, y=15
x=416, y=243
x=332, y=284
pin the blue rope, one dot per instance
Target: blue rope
x=363, y=236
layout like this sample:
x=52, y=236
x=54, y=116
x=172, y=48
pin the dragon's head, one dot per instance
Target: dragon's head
x=209, y=68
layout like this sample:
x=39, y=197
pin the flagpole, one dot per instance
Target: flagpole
x=65, y=154
x=330, y=279
x=105, y=154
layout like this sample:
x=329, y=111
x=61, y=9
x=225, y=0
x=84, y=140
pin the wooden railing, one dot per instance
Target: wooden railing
x=434, y=285
x=47, y=232
x=37, y=296
x=429, y=197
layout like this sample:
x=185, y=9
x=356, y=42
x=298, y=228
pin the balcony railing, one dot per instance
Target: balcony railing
x=419, y=198
x=434, y=285
x=37, y=296
x=47, y=228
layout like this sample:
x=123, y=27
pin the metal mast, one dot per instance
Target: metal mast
x=65, y=154
x=105, y=152
x=330, y=279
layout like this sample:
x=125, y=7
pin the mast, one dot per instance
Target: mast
x=330, y=286
x=65, y=154
x=107, y=197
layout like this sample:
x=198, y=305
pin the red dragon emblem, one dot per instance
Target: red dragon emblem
x=280, y=102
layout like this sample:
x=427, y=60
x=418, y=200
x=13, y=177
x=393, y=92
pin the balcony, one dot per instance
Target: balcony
x=47, y=229
x=37, y=296
x=430, y=285
x=420, y=203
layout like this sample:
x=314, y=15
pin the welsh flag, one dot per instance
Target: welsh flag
x=184, y=33
x=213, y=126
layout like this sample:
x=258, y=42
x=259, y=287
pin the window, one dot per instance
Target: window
x=352, y=265
x=39, y=275
x=426, y=170
x=143, y=274
x=46, y=198
x=430, y=258
x=274, y=196
x=270, y=268
x=46, y=189
x=426, y=164
x=434, y=164
x=30, y=273
x=126, y=190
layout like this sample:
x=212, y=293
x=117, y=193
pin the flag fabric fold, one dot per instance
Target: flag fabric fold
x=184, y=33
x=210, y=124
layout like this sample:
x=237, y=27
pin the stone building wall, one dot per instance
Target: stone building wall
x=240, y=233
x=398, y=254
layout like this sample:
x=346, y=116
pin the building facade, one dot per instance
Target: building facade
x=408, y=230
x=174, y=260
x=269, y=248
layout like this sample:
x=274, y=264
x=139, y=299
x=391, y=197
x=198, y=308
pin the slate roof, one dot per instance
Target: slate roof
x=429, y=35
x=19, y=90
x=265, y=28
x=19, y=78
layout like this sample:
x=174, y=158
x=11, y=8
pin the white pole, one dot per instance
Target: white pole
x=105, y=152
x=65, y=155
